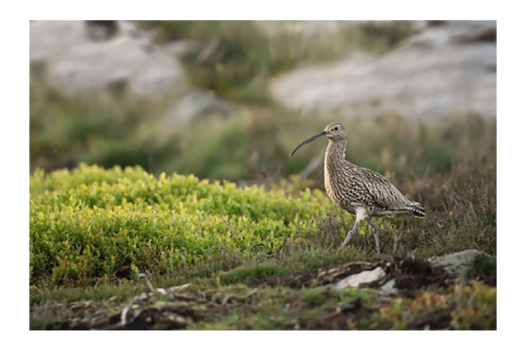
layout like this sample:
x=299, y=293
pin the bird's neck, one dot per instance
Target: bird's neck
x=335, y=153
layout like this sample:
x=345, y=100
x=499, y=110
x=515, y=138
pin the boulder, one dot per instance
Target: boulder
x=443, y=69
x=457, y=264
x=85, y=57
x=76, y=63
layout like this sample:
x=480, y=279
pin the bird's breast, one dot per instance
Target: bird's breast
x=339, y=188
x=330, y=187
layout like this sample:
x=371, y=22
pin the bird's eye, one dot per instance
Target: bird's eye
x=336, y=128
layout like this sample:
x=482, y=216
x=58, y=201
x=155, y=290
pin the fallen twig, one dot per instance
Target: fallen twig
x=152, y=289
x=242, y=297
x=178, y=288
x=124, y=314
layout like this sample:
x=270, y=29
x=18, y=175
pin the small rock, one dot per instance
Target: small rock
x=388, y=287
x=356, y=280
x=456, y=264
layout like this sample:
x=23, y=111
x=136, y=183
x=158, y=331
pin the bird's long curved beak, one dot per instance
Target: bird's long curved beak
x=310, y=139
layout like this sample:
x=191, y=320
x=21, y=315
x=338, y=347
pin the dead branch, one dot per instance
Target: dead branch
x=242, y=297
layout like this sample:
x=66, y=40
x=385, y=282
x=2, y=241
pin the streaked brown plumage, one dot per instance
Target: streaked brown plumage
x=358, y=190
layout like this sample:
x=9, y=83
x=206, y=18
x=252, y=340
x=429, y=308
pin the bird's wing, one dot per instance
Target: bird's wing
x=382, y=193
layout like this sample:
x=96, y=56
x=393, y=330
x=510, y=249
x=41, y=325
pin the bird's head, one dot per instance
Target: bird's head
x=333, y=131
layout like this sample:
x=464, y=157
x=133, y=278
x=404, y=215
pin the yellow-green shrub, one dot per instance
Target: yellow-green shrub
x=87, y=223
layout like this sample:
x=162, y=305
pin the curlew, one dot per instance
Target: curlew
x=359, y=191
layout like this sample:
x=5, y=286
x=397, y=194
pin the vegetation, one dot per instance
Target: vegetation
x=88, y=224
x=64, y=132
x=233, y=59
x=94, y=230
x=240, y=307
x=219, y=204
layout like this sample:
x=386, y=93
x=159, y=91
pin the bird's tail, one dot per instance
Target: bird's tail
x=416, y=209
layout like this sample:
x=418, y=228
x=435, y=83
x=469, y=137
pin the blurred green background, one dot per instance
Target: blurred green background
x=248, y=135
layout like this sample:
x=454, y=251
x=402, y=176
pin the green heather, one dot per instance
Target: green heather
x=89, y=223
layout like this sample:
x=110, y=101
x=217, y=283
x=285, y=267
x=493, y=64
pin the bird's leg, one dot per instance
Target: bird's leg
x=351, y=233
x=375, y=230
x=359, y=216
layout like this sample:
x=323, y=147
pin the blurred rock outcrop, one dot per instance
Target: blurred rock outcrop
x=446, y=67
x=84, y=57
x=78, y=60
